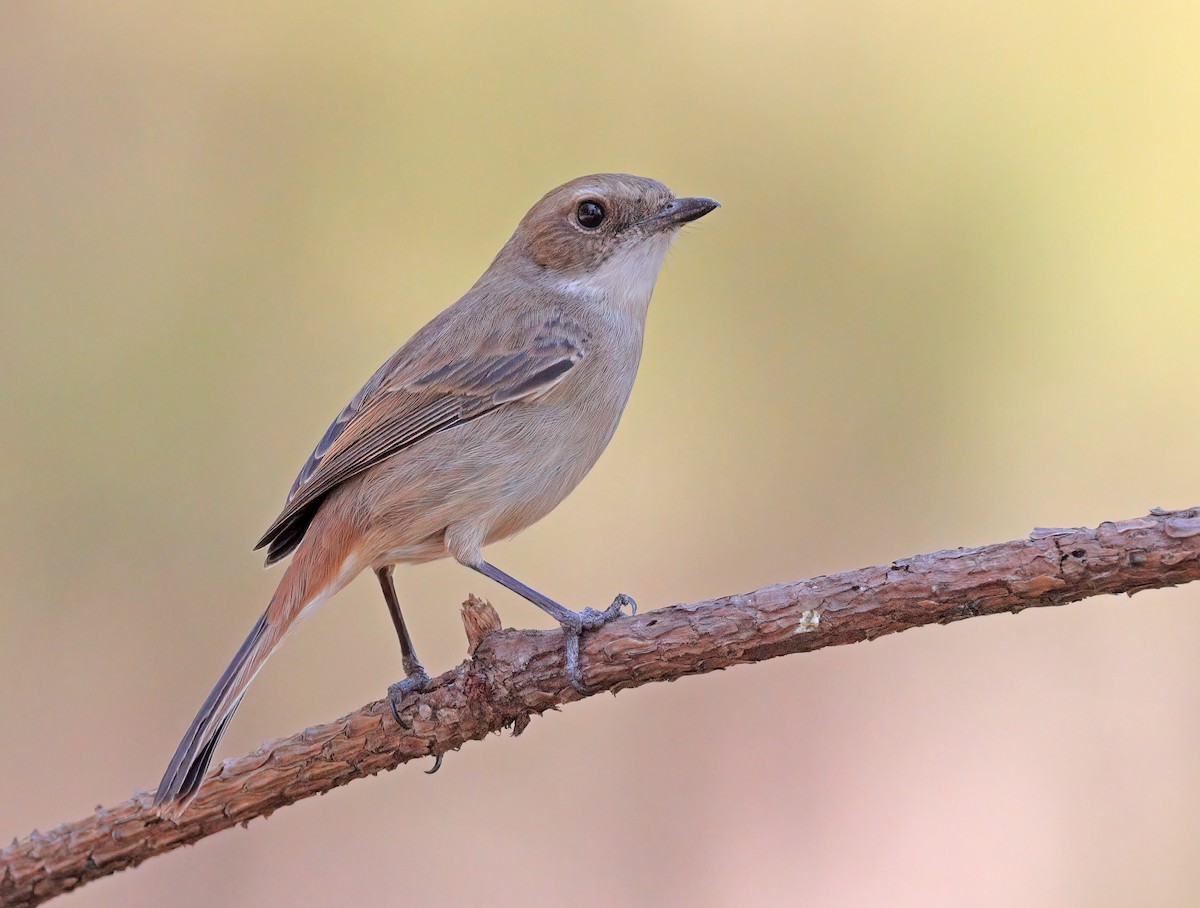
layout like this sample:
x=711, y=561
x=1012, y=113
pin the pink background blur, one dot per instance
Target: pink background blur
x=952, y=294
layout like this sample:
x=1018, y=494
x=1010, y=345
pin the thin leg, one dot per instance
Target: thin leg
x=415, y=676
x=573, y=623
x=407, y=653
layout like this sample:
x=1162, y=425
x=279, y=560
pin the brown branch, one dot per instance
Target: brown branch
x=513, y=675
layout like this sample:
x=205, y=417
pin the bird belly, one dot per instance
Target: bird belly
x=496, y=475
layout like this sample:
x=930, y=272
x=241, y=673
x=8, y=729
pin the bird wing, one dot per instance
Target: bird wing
x=421, y=391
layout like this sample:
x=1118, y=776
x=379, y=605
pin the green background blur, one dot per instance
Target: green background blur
x=952, y=294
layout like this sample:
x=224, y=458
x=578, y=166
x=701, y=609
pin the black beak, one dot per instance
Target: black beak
x=680, y=211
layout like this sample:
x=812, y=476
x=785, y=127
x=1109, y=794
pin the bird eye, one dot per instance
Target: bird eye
x=590, y=214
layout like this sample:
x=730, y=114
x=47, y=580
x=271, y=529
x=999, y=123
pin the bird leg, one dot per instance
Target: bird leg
x=415, y=676
x=573, y=623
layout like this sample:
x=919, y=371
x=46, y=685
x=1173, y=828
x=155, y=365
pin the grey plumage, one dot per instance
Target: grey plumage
x=472, y=431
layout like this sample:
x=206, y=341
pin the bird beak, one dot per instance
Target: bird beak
x=680, y=211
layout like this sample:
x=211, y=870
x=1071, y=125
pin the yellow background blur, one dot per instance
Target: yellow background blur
x=952, y=294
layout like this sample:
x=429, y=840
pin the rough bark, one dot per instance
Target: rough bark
x=513, y=675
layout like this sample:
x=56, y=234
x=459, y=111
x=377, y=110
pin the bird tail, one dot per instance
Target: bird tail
x=310, y=579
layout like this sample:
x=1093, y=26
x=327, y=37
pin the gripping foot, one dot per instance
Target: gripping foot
x=587, y=620
x=415, y=682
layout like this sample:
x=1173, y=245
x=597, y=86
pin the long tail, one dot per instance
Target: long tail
x=312, y=577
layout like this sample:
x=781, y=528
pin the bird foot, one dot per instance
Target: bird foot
x=587, y=620
x=415, y=682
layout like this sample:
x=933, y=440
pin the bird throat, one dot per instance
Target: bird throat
x=625, y=280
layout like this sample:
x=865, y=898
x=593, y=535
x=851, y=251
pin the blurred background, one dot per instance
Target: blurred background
x=952, y=294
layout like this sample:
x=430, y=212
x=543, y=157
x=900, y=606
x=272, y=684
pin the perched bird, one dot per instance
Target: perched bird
x=473, y=430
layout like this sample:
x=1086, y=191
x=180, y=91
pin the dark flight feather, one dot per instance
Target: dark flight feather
x=397, y=408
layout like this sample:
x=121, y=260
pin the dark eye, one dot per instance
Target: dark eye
x=590, y=214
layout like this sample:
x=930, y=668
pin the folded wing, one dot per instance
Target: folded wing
x=417, y=393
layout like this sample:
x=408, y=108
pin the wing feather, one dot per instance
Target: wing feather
x=410, y=398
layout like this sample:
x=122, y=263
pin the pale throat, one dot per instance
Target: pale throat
x=626, y=278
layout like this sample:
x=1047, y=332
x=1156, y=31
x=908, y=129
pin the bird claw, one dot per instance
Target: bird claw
x=586, y=620
x=414, y=683
x=621, y=602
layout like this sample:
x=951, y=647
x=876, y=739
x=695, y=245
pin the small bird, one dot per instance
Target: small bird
x=472, y=431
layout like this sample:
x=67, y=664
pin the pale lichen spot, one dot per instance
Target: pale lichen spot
x=810, y=620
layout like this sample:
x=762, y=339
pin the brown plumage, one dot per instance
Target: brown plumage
x=475, y=429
